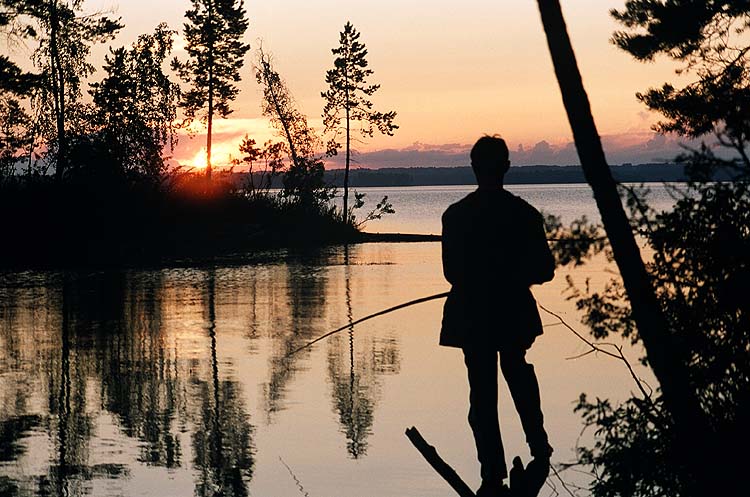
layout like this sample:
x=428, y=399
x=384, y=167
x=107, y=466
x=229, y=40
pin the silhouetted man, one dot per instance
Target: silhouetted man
x=494, y=249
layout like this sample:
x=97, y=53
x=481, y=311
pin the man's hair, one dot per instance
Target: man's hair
x=489, y=156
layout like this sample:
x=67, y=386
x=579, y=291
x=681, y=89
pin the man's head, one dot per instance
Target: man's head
x=489, y=160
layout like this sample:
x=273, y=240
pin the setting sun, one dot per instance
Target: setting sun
x=199, y=160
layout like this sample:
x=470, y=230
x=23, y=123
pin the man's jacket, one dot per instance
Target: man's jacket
x=494, y=249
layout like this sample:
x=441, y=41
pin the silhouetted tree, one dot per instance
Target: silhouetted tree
x=696, y=330
x=216, y=53
x=16, y=26
x=14, y=120
x=16, y=86
x=347, y=99
x=66, y=35
x=136, y=104
x=259, y=181
x=13, y=133
x=304, y=177
x=710, y=40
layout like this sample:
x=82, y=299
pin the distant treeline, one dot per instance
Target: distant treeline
x=429, y=176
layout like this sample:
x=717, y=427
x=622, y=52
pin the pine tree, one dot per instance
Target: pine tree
x=347, y=100
x=216, y=53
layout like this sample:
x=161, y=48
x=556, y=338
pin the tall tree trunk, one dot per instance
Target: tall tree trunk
x=208, y=136
x=210, y=89
x=348, y=138
x=665, y=356
x=346, y=168
x=58, y=92
x=277, y=108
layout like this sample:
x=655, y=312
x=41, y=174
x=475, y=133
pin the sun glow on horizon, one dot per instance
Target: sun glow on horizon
x=199, y=160
x=223, y=155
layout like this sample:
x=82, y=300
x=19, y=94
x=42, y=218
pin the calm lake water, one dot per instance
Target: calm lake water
x=175, y=381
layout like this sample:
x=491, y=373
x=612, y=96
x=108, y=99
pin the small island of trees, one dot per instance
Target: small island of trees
x=86, y=173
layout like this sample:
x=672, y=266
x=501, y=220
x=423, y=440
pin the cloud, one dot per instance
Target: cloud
x=635, y=147
x=417, y=154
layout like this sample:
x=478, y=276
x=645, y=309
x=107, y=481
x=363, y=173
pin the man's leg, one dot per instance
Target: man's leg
x=524, y=389
x=482, y=368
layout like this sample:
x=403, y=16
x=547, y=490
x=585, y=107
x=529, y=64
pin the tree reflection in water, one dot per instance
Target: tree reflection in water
x=222, y=451
x=141, y=381
x=69, y=368
x=307, y=287
x=94, y=345
x=103, y=373
x=354, y=378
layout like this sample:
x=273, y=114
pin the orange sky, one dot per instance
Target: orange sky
x=452, y=70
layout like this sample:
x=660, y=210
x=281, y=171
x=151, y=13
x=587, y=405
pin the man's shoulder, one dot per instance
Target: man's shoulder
x=460, y=207
x=506, y=203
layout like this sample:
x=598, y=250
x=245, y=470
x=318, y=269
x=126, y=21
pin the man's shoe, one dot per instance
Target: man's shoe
x=536, y=473
x=518, y=483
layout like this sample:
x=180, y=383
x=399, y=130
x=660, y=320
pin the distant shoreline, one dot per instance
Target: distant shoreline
x=518, y=175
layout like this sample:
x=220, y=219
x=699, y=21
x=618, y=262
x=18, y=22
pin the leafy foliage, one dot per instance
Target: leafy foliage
x=382, y=208
x=303, y=179
x=66, y=35
x=136, y=106
x=13, y=134
x=271, y=156
x=574, y=243
x=700, y=270
x=710, y=40
x=699, y=253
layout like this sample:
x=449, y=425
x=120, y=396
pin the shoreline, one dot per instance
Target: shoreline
x=238, y=251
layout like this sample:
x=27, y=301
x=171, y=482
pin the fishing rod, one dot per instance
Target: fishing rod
x=367, y=318
x=443, y=295
x=421, y=301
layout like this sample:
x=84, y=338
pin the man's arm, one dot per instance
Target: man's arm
x=541, y=262
x=452, y=250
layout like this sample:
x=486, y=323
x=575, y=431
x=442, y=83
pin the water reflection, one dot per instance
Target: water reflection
x=82, y=351
x=306, y=294
x=354, y=376
x=222, y=439
x=103, y=373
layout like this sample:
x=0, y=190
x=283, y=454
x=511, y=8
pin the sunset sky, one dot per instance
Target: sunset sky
x=452, y=70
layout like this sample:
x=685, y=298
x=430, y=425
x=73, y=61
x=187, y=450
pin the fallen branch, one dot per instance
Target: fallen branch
x=443, y=469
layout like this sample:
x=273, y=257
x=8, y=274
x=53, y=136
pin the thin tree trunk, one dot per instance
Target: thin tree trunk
x=32, y=139
x=346, y=169
x=277, y=107
x=58, y=93
x=210, y=89
x=208, y=136
x=664, y=355
x=348, y=141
